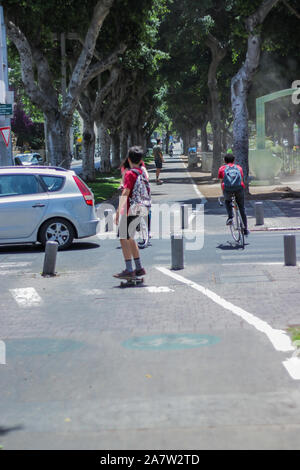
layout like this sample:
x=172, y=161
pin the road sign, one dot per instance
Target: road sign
x=5, y=109
x=5, y=131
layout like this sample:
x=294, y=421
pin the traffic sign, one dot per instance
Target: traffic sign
x=5, y=131
x=5, y=109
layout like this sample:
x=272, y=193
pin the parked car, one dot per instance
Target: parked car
x=40, y=204
x=27, y=159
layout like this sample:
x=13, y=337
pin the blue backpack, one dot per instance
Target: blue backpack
x=232, y=178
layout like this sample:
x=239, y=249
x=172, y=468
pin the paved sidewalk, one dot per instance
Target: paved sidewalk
x=281, y=201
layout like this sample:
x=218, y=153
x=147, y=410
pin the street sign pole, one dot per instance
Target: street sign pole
x=6, y=98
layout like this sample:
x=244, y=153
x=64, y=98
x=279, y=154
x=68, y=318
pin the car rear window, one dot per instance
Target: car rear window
x=53, y=183
x=16, y=185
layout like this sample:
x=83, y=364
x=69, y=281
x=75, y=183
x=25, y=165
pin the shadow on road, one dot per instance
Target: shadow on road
x=4, y=430
x=229, y=246
x=25, y=249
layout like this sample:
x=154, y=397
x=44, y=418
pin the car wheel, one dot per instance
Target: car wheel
x=57, y=230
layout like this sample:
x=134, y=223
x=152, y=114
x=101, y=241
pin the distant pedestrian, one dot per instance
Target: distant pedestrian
x=135, y=197
x=158, y=159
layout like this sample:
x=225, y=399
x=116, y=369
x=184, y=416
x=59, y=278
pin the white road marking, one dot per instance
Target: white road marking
x=254, y=264
x=254, y=255
x=292, y=365
x=279, y=338
x=27, y=297
x=14, y=265
x=203, y=199
x=92, y=291
x=155, y=290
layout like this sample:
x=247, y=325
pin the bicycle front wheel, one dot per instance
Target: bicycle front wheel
x=235, y=228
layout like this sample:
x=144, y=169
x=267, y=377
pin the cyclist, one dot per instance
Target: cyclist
x=232, y=183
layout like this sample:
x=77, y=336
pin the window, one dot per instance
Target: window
x=53, y=183
x=17, y=185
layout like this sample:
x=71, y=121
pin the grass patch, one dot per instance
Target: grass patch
x=105, y=186
x=295, y=333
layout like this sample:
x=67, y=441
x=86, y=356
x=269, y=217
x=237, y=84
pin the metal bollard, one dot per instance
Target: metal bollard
x=290, y=257
x=50, y=259
x=177, y=252
x=184, y=216
x=259, y=213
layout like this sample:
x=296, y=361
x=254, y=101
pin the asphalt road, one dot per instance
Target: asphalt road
x=194, y=359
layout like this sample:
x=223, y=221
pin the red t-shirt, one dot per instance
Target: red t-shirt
x=123, y=169
x=222, y=169
x=129, y=182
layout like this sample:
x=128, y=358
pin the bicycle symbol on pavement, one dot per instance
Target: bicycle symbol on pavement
x=170, y=341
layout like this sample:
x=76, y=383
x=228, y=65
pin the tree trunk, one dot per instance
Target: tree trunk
x=185, y=137
x=240, y=85
x=218, y=53
x=124, y=142
x=104, y=140
x=115, y=144
x=88, y=150
x=58, y=138
x=193, y=137
x=167, y=139
x=204, y=139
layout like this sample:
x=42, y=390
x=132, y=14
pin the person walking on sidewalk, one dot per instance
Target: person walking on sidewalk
x=158, y=159
x=233, y=183
x=135, y=187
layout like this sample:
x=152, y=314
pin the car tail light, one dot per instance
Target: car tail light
x=85, y=191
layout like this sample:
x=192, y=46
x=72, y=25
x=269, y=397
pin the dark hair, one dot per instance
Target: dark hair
x=125, y=163
x=135, y=154
x=229, y=158
x=158, y=141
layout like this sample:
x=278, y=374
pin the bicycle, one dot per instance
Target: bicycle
x=237, y=227
x=142, y=231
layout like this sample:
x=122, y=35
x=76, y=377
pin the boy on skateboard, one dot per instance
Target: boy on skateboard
x=127, y=218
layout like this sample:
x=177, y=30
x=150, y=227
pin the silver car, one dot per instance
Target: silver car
x=39, y=204
x=28, y=159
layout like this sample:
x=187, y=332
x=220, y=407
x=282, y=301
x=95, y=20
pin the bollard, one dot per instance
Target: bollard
x=50, y=259
x=177, y=252
x=259, y=213
x=184, y=216
x=290, y=258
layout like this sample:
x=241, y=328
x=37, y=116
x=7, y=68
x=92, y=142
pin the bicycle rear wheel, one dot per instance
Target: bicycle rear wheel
x=242, y=231
x=143, y=233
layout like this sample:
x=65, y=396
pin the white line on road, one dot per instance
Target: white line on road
x=155, y=290
x=292, y=365
x=27, y=297
x=279, y=338
x=243, y=256
x=14, y=265
x=254, y=264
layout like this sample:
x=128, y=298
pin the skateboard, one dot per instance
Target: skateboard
x=136, y=281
